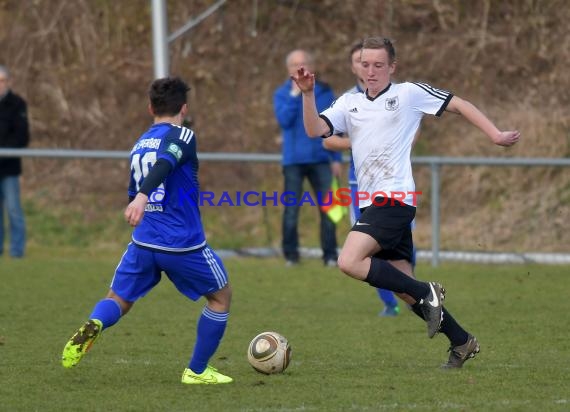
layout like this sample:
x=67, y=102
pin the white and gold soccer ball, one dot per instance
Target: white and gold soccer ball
x=269, y=352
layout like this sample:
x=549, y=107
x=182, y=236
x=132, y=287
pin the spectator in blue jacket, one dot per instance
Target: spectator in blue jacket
x=304, y=157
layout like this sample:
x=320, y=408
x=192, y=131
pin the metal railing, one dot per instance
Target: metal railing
x=434, y=163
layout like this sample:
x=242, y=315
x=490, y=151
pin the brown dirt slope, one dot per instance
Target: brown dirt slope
x=84, y=66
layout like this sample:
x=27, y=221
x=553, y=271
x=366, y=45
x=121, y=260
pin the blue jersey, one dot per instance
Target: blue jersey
x=172, y=220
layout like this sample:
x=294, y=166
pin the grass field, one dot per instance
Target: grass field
x=345, y=358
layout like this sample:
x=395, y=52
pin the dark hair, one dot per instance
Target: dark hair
x=381, y=43
x=167, y=96
x=355, y=47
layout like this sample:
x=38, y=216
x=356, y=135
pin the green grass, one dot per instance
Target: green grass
x=251, y=226
x=345, y=358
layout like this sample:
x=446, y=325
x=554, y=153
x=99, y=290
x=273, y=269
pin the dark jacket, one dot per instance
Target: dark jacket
x=14, y=131
x=298, y=148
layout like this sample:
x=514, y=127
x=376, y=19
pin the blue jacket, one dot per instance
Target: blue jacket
x=298, y=148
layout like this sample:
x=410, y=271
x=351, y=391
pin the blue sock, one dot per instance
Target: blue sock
x=211, y=327
x=387, y=297
x=108, y=311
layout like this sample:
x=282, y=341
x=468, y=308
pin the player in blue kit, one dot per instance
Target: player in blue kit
x=168, y=237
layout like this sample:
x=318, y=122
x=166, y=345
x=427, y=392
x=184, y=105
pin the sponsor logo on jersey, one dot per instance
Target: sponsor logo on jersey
x=392, y=103
x=153, y=207
x=353, y=110
x=157, y=196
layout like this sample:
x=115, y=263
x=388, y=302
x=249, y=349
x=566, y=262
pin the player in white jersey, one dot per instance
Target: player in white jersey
x=340, y=143
x=382, y=123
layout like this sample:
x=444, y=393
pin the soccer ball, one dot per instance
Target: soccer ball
x=269, y=352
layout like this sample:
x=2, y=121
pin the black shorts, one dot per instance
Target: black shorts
x=389, y=222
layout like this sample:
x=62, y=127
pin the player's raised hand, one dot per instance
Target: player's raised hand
x=507, y=138
x=135, y=210
x=304, y=79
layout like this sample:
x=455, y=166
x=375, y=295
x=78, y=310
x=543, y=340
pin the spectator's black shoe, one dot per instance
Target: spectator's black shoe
x=331, y=263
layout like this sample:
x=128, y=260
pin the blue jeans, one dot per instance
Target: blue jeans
x=320, y=178
x=10, y=198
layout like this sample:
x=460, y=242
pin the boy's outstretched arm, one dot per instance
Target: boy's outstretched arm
x=477, y=118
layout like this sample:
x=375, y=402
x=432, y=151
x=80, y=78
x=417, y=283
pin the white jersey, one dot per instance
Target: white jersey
x=382, y=132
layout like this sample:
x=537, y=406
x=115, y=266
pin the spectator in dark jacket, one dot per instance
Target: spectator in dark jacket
x=14, y=133
x=304, y=157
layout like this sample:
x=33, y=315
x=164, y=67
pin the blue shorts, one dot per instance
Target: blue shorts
x=194, y=274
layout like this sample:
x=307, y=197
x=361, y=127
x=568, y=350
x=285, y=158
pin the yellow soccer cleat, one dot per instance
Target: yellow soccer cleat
x=81, y=342
x=210, y=376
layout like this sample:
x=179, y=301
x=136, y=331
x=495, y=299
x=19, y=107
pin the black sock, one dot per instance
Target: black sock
x=385, y=276
x=417, y=310
x=449, y=327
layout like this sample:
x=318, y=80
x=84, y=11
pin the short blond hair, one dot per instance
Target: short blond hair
x=381, y=43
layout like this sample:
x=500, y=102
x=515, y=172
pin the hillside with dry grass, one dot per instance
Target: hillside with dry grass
x=84, y=66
